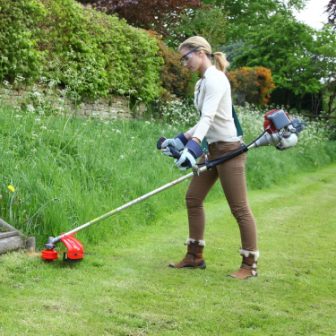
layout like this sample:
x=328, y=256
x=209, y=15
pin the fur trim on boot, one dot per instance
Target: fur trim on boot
x=248, y=267
x=190, y=240
x=194, y=256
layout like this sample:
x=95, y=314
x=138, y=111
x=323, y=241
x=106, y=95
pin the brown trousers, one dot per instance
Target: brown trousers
x=232, y=177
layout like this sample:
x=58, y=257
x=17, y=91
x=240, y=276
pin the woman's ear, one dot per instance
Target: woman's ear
x=200, y=53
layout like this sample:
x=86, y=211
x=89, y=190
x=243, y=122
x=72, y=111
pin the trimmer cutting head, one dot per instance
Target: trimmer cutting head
x=49, y=253
x=75, y=251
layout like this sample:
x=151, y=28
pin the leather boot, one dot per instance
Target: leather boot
x=194, y=256
x=248, y=267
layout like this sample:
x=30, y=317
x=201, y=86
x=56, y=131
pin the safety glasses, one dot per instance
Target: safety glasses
x=186, y=57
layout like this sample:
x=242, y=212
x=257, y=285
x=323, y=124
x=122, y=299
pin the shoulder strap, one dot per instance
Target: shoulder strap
x=237, y=123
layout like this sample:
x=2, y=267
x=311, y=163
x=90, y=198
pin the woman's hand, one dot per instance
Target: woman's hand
x=190, y=154
x=177, y=143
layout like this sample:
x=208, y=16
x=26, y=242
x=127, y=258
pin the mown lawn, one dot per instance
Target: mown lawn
x=124, y=287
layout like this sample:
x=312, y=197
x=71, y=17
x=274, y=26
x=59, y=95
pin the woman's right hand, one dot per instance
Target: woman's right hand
x=178, y=143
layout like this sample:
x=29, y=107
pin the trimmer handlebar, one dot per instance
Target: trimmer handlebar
x=208, y=164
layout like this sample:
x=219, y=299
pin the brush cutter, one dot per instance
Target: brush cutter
x=279, y=131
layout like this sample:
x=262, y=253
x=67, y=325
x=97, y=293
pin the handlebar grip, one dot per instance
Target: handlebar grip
x=176, y=154
x=160, y=142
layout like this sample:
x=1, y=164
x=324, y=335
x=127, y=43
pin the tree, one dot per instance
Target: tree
x=326, y=51
x=331, y=9
x=148, y=14
x=245, y=16
x=287, y=48
x=207, y=21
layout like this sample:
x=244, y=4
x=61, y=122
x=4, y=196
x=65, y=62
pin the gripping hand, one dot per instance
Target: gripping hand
x=177, y=143
x=190, y=154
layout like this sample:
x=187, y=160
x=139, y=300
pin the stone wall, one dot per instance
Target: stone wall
x=113, y=107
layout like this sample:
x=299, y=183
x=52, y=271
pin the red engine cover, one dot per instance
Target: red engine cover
x=268, y=124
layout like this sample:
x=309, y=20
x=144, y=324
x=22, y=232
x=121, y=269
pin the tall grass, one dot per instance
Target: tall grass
x=267, y=166
x=69, y=170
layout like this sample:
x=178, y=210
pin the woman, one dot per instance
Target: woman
x=213, y=101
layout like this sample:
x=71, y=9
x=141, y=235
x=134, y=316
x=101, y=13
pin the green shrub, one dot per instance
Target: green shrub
x=87, y=53
x=20, y=57
x=72, y=57
x=175, y=78
x=145, y=64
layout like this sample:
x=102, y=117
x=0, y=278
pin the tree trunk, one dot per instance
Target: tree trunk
x=331, y=101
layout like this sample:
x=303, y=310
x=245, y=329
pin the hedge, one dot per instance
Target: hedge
x=87, y=53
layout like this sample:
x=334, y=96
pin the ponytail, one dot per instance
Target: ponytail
x=200, y=43
x=221, y=62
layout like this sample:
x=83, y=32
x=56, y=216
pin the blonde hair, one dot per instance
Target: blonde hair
x=200, y=43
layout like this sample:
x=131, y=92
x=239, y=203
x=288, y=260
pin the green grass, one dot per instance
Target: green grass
x=123, y=286
x=69, y=170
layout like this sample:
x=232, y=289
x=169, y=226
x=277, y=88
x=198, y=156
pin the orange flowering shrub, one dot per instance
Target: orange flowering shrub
x=252, y=85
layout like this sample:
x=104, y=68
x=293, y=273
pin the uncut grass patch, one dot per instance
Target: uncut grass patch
x=69, y=170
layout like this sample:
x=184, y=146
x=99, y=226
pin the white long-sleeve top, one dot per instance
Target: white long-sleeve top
x=212, y=99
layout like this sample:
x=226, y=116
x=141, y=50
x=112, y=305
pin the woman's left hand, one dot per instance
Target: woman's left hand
x=190, y=154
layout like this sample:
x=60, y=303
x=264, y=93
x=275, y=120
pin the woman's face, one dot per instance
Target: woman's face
x=191, y=59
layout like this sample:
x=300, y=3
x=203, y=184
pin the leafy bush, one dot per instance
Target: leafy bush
x=72, y=56
x=145, y=65
x=252, y=85
x=87, y=53
x=175, y=77
x=19, y=54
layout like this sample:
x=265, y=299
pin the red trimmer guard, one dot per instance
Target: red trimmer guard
x=74, y=247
